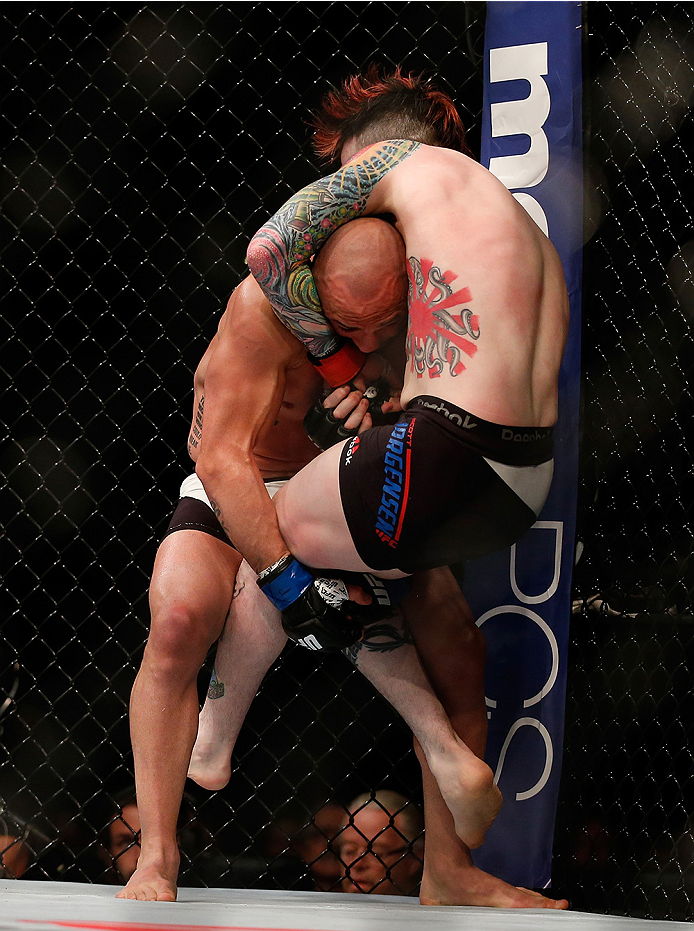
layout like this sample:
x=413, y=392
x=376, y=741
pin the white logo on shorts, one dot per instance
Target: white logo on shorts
x=378, y=589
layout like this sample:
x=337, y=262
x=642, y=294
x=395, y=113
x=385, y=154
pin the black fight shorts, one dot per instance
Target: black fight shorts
x=193, y=514
x=420, y=494
x=194, y=511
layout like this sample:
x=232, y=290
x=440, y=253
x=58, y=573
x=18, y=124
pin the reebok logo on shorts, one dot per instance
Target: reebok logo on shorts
x=352, y=447
x=391, y=511
x=515, y=436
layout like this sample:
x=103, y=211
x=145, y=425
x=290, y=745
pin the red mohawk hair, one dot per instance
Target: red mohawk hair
x=373, y=106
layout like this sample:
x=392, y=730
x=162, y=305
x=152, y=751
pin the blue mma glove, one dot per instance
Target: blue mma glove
x=312, y=609
x=316, y=611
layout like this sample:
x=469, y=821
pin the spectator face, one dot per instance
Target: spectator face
x=313, y=847
x=124, y=841
x=325, y=868
x=377, y=856
x=14, y=857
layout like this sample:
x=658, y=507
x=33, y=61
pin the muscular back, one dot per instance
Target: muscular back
x=488, y=308
x=488, y=303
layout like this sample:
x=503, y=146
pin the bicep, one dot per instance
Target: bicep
x=279, y=254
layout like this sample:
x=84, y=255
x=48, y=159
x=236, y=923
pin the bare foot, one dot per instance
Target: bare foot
x=151, y=884
x=468, y=788
x=471, y=886
x=210, y=765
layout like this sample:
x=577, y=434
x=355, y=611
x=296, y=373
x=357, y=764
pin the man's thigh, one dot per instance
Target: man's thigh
x=194, y=575
x=311, y=517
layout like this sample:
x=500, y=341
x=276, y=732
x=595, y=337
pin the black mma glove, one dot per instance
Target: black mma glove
x=325, y=429
x=310, y=607
x=385, y=594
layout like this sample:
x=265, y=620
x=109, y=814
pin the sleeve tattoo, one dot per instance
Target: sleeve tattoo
x=279, y=253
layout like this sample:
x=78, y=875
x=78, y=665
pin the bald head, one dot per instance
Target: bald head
x=361, y=278
x=395, y=805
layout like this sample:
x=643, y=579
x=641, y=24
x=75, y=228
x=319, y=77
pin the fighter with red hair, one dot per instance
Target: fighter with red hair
x=468, y=467
x=402, y=104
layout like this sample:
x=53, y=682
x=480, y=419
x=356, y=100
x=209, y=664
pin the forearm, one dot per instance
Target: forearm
x=278, y=258
x=279, y=253
x=243, y=507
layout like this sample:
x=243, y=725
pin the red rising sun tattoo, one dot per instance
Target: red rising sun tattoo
x=437, y=338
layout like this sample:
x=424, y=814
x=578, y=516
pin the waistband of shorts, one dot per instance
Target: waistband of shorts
x=192, y=487
x=273, y=485
x=501, y=443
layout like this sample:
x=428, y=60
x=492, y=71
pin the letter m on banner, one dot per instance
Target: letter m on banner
x=532, y=142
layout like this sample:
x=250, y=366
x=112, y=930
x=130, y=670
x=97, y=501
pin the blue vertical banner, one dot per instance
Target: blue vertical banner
x=521, y=598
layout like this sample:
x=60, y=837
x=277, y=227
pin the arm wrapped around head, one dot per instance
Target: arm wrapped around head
x=279, y=254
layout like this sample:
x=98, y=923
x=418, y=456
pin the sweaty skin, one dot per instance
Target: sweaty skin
x=191, y=595
x=488, y=305
x=487, y=287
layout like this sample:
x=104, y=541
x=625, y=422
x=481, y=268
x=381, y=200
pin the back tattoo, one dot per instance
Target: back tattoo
x=436, y=337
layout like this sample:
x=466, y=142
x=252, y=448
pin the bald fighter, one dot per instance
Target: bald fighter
x=467, y=468
x=449, y=644
x=252, y=390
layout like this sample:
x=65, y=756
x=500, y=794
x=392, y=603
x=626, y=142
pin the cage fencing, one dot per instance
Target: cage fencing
x=624, y=833
x=145, y=144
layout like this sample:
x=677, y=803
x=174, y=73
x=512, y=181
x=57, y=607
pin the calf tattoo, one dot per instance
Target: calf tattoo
x=279, y=252
x=216, y=686
x=381, y=637
x=438, y=338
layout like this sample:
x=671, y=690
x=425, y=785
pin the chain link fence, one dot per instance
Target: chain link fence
x=624, y=837
x=146, y=143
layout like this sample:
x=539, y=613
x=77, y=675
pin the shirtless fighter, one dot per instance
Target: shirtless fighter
x=191, y=593
x=449, y=644
x=468, y=467
x=488, y=313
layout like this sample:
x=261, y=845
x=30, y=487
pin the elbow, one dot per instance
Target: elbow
x=258, y=257
x=210, y=471
x=216, y=467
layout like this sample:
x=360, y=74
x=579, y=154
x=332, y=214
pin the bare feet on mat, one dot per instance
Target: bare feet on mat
x=467, y=885
x=151, y=884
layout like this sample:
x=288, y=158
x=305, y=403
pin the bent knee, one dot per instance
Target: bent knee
x=179, y=636
x=464, y=632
